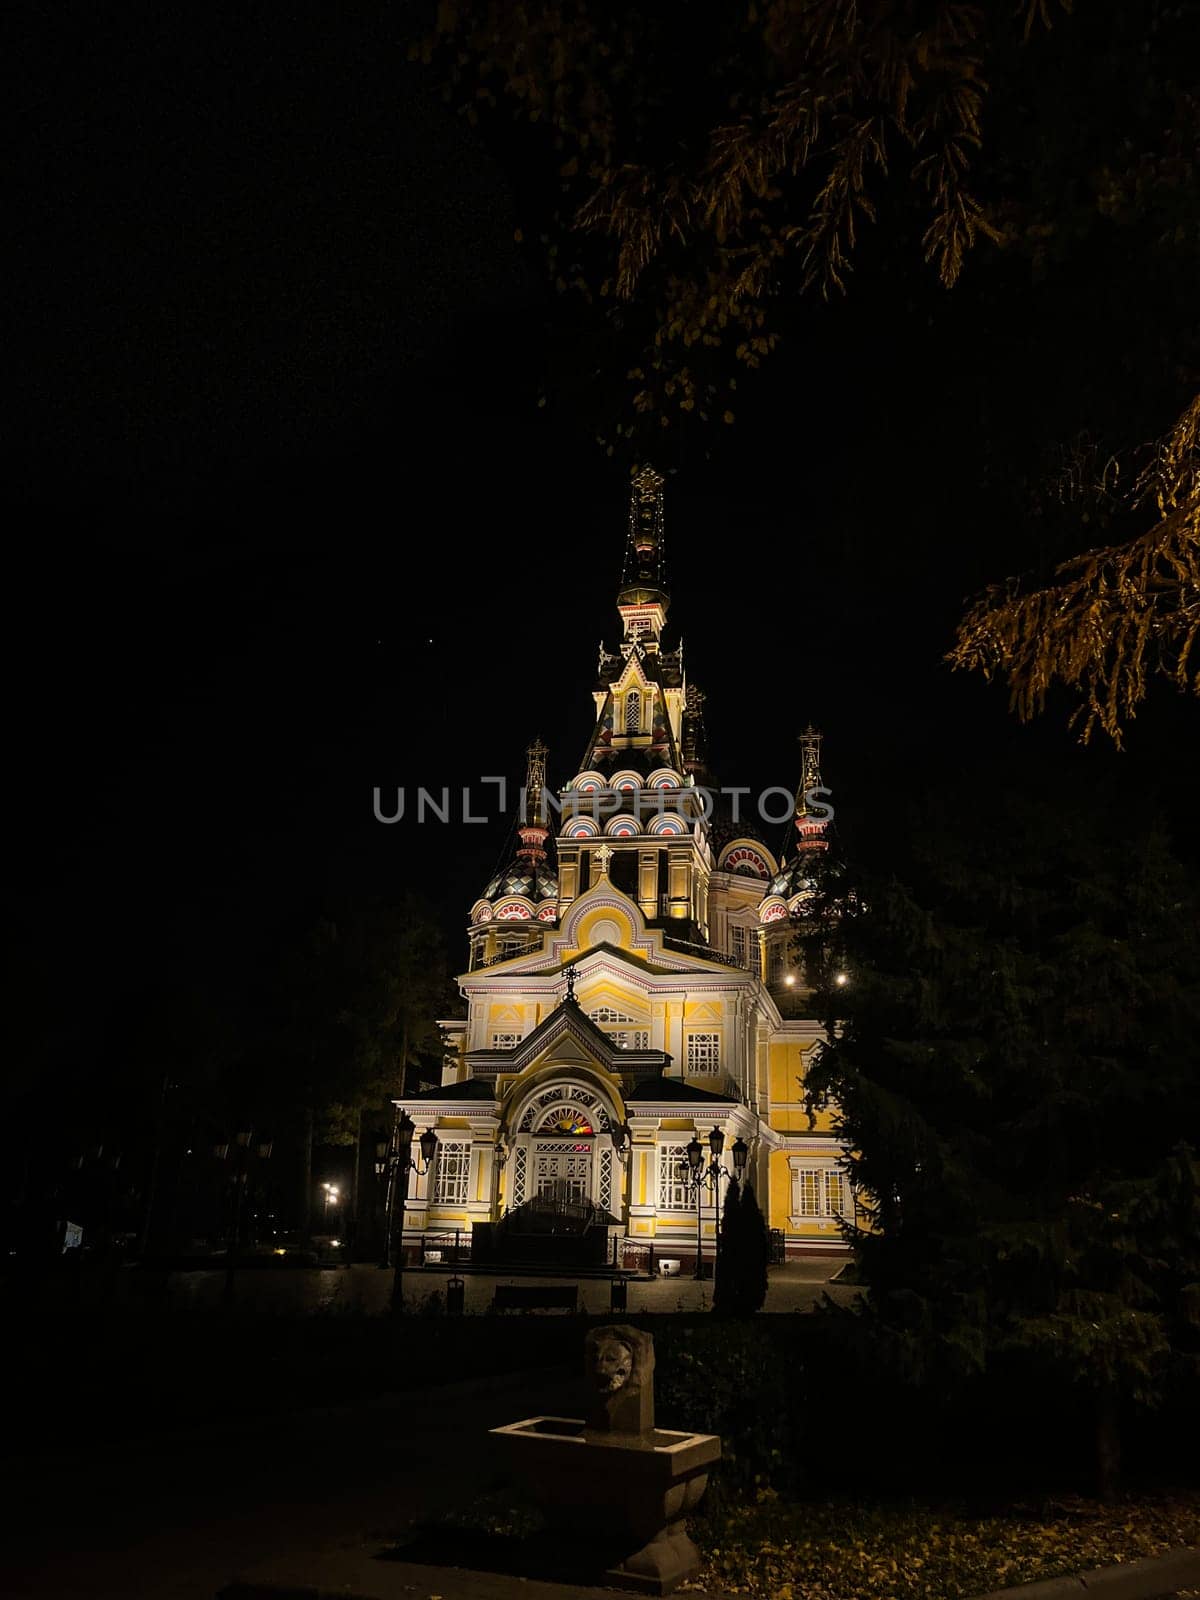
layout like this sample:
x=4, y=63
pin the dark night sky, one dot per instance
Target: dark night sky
x=287, y=521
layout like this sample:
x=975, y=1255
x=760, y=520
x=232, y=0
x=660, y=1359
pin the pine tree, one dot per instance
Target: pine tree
x=755, y=1247
x=727, y=1282
x=1013, y=1067
x=741, y=1283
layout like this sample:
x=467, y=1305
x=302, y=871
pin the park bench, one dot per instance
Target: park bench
x=536, y=1297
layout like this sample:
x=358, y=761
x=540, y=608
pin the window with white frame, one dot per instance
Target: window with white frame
x=505, y=1041
x=674, y=1188
x=808, y=1192
x=623, y=1038
x=633, y=711
x=820, y=1192
x=603, y=1014
x=703, y=1052
x=744, y=947
x=452, y=1172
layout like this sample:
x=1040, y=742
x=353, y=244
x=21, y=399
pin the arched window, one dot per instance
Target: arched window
x=633, y=711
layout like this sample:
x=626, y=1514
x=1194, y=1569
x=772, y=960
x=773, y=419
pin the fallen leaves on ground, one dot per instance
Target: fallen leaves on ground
x=842, y=1551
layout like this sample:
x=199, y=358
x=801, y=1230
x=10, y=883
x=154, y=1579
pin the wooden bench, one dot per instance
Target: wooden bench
x=536, y=1297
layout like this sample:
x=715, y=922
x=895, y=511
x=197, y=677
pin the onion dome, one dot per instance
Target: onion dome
x=521, y=877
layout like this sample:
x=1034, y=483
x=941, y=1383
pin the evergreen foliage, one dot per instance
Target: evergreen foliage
x=1013, y=1067
x=740, y=1287
x=725, y=1282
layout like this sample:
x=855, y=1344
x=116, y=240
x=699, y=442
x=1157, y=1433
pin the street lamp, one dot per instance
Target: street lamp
x=400, y=1164
x=702, y=1175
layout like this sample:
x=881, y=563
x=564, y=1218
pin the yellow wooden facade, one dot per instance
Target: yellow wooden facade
x=630, y=984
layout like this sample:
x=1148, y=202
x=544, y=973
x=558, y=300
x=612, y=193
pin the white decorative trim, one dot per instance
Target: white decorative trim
x=750, y=847
x=581, y=827
x=513, y=908
x=623, y=827
x=561, y=1087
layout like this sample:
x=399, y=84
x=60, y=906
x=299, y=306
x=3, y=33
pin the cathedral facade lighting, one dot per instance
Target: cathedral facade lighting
x=631, y=984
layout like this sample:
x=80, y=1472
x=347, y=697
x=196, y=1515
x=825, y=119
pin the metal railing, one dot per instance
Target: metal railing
x=691, y=946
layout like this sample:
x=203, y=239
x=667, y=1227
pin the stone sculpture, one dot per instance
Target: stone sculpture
x=613, y=1479
x=619, y=1367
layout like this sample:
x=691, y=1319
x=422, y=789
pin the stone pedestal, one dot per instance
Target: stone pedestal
x=623, y=1494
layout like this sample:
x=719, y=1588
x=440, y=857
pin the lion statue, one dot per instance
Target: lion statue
x=619, y=1366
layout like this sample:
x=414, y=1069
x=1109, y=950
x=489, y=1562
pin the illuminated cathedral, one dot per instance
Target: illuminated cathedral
x=632, y=984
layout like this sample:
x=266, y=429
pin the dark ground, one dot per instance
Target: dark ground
x=176, y=1516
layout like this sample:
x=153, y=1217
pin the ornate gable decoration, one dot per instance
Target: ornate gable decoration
x=552, y=1109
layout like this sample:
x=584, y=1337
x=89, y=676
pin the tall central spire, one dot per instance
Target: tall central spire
x=643, y=598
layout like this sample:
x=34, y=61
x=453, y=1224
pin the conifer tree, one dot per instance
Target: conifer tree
x=1012, y=1063
x=755, y=1251
x=741, y=1283
x=727, y=1282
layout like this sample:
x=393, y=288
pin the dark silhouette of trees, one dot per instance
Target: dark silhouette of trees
x=1012, y=1064
x=740, y=1286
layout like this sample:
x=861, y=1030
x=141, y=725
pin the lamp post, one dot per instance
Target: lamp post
x=401, y=1163
x=702, y=1175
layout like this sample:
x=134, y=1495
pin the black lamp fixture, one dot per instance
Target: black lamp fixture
x=428, y=1143
x=701, y=1173
x=622, y=1138
x=401, y=1160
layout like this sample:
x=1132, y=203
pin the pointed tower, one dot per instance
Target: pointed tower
x=793, y=883
x=522, y=896
x=642, y=598
x=793, y=889
x=809, y=819
x=635, y=783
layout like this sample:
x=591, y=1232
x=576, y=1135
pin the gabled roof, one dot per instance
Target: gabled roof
x=471, y=1089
